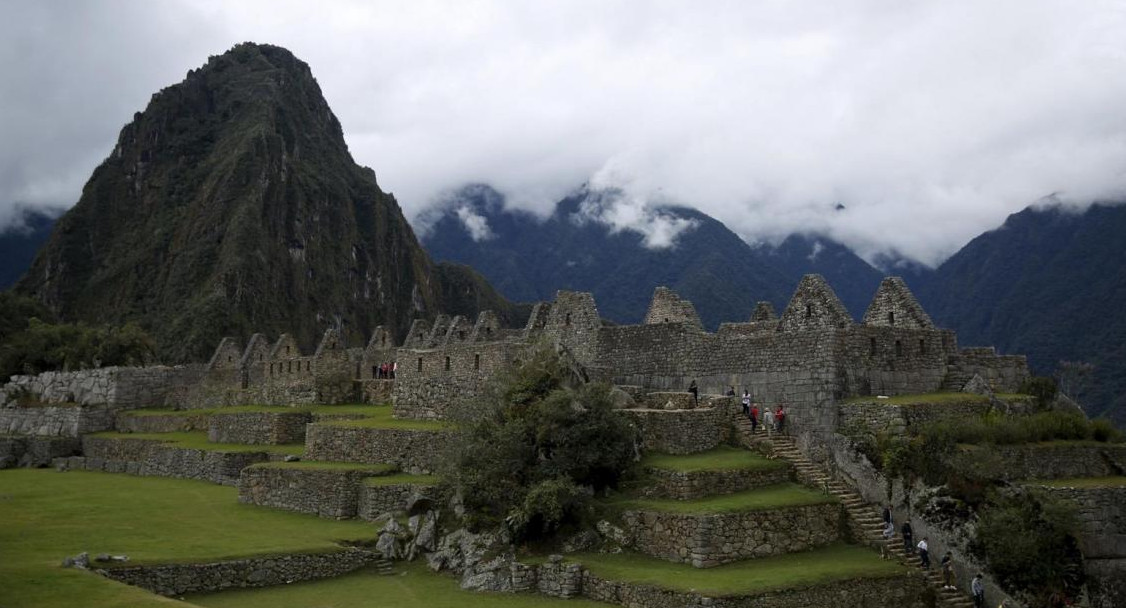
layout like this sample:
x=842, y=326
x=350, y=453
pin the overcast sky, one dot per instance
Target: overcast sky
x=929, y=121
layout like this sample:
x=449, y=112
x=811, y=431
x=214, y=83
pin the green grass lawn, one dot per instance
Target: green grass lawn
x=921, y=399
x=770, y=497
x=49, y=515
x=374, y=469
x=723, y=458
x=791, y=571
x=390, y=480
x=198, y=440
x=354, y=409
x=1082, y=482
x=413, y=587
x=380, y=417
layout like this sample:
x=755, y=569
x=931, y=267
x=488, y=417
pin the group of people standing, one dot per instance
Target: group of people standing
x=386, y=371
x=771, y=421
x=977, y=585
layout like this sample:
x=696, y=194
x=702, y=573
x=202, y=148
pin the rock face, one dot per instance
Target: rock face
x=232, y=205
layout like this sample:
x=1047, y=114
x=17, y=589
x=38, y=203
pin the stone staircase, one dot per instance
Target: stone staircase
x=865, y=521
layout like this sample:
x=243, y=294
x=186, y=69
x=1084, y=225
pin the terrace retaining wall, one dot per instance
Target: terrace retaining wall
x=331, y=493
x=680, y=485
x=258, y=428
x=412, y=451
x=681, y=431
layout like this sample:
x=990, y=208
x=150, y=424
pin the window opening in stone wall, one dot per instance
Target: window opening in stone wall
x=259, y=356
x=420, y=337
x=374, y=371
x=383, y=340
x=666, y=319
x=891, y=317
x=516, y=363
x=808, y=311
x=898, y=348
x=872, y=346
x=290, y=366
x=229, y=359
x=488, y=331
x=922, y=346
x=447, y=364
x=271, y=369
x=420, y=364
x=308, y=365
x=567, y=319
x=287, y=350
x=461, y=335
x=477, y=362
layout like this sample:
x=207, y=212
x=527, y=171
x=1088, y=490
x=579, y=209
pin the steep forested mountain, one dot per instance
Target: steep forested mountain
x=529, y=258
x=1051, y=284
x=232, y=205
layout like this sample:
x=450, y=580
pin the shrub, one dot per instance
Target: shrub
x=1026, y=538
x=535, y=449
x=1042, y=388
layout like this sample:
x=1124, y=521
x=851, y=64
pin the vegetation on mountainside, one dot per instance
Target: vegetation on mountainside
x=537, y=447
x=29, y=344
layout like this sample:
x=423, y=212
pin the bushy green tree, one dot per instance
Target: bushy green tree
x=538, y=446
x=1026, y=538
x=45, y=346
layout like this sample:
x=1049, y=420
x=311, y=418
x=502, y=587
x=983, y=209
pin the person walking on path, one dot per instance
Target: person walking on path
x=692, y=388
x=779, y=419
x=889, y=534
x=754, y=418
x=746, y=403
x=948, y=571
x=977, y=588
x=768, y=420
x=924, y=555
x=908, y=537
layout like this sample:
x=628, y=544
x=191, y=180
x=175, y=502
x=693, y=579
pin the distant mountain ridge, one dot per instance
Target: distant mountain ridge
x=20, y=242
x=231, y=205
x=529, y=258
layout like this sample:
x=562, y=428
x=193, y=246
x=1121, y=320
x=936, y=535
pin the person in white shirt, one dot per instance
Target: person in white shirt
x=924, y=556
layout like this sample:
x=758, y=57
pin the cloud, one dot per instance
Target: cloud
x=475, y=224
x=929, y=122
x=619, y=211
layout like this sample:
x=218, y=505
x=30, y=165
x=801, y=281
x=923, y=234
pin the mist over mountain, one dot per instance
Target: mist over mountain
x=21, y=241
x=232, y=205
x=595, y=242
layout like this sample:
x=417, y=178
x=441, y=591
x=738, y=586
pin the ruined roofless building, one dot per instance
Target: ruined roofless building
x=807, y=359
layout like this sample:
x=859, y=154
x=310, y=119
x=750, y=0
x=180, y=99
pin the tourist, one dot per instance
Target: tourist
x=730, y=391
x=768, y=420
x=779, y=419
x=948, y=571
x=754, y=418
x=977, y=588
x=692, y=388
x=924, y=554
x=908, y=536
x=394, y=368
x=747, y=404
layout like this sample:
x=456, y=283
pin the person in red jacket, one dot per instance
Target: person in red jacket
x=754, y=418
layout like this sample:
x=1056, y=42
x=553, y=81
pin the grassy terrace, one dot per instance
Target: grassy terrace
x=390, y=480
x=360, y=410
x=791, y=571
x=927, y=398
x=723, y=458
x=380, y=418
x=1082, y=482
x=309, y=465
x=415, y=587
x=48, y=515
x=777, y=496
x=198, y=441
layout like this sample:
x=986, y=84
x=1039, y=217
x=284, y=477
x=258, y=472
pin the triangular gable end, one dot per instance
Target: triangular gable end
x=895, y=306
x=668, y=307
x=815, y=305
x=764, y=311
x=227, y=355
x=285, y=348
x=257, y=350
x=332, y=341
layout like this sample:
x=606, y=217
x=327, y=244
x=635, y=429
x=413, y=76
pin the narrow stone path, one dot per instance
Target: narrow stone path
x=865, y=520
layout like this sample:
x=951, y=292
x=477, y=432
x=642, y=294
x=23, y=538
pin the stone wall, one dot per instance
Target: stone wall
x=117, y=387
x=707, y=540
x=1102, y=538
x=1045, y=461
x=258, y=428
x=378, y=500
x=332, y=493
x=131, y=422
x=681, y=431
x=903, y=591
x=35, y=451
x=431, y=382
x=1004, y=374
x=151, y=458
x=680, y=485
x=413, y=451
x=265, y=571
x=56, y=421
x=877, y=417
x=668, y=307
